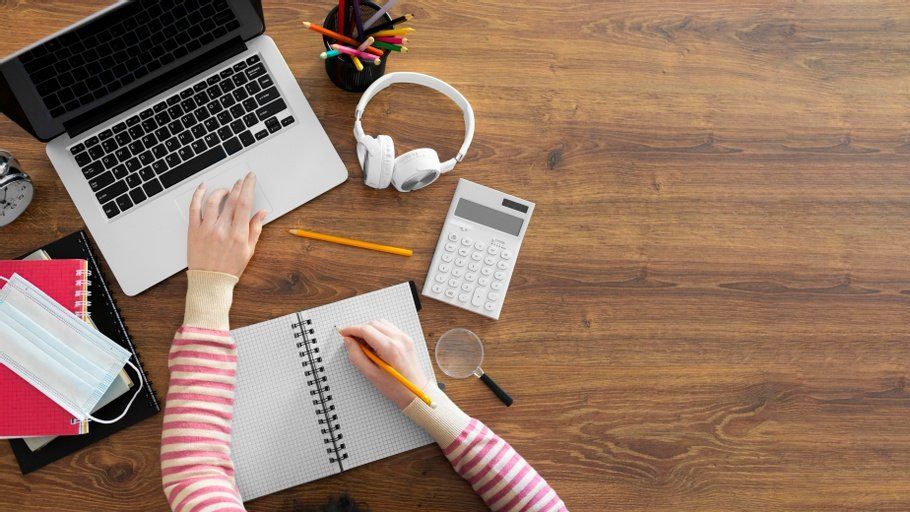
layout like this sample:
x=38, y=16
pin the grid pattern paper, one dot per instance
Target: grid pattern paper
x=278, y=440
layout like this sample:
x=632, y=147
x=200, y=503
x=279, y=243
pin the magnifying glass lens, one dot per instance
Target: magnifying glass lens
x=459, y=353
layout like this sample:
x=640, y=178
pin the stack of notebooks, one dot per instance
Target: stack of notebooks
x=40, y=431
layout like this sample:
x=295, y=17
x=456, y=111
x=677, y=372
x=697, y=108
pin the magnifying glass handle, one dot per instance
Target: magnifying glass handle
x=498, y=391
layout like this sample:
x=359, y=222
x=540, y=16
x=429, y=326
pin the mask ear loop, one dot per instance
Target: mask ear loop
x=139, y=388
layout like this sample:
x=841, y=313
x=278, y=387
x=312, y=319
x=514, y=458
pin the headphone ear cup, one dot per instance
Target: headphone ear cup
x=368, y=156
x=387, y=160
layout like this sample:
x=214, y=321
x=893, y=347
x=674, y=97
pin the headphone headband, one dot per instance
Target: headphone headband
x=431, y=83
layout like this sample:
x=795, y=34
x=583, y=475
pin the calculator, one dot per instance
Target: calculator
x=476, y=252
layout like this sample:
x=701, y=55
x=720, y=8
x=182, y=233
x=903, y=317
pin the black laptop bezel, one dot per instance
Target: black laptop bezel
x=21, y=103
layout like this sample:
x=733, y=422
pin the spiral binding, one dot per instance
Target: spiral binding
x=314, y=371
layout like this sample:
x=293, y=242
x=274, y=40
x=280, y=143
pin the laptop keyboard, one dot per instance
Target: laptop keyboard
x=165, y=144
x=93, y=61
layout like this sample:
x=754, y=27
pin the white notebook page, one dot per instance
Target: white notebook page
x=278, y=438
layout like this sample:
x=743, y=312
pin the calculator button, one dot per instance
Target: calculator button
x=493, y=296
x=437, y=288
x=506, y=255
x=487, y=271
x=496, y=285
x=445, y=268
x=454, y=283
x=467, y=242
x=470, y=276
x=480, y=246
x=477, y=256
x=460, y=262
x=489, y=260
x=450, y=293
x=489, y=306
x=493, y=250
x=453, y=237
x=458, y=272
x=499, y=275
x=464, y=297
x=440, y=278
x=464, y=251
x=447, y=258
x=477, y=300
x=450, y=247
x=502, y=265
x=483, y=281
x=467, y=287
x=473, y=266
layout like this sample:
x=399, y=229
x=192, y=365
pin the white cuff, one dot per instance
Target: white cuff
x=444, y=423
x=208, y=299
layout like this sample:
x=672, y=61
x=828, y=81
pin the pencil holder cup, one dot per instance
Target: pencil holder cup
x=341, y=69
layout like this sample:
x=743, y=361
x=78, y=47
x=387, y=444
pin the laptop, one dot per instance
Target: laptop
x=145, y=100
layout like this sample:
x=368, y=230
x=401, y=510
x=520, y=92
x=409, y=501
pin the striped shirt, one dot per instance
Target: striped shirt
x=196, y=467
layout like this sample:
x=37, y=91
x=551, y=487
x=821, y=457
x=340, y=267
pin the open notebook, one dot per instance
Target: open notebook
x=301, y=410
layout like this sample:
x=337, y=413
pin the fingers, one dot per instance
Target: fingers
x=227, y=213
x=390, y=330
x=196, y=205
x=244, y=204
x=256, y=226
x=212, y=204
x=359, y=359
x=381, y=343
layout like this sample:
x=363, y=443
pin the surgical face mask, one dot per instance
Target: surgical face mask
x=56, y=352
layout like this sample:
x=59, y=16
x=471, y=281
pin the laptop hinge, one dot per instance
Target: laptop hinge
x=78, y=125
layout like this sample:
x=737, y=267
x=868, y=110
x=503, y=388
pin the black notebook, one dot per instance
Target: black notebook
x=104, y=313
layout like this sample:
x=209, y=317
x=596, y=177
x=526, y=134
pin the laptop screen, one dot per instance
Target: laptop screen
x=113, y=53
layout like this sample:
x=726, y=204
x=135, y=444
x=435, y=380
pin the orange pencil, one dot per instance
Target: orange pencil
x=345, y=39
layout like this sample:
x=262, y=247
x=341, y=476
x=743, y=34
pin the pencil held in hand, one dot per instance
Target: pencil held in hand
x=395, y=374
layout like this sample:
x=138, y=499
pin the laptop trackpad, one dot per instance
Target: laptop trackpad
x=225, y=179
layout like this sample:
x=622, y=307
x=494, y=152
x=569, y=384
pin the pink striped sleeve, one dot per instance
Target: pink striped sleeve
x=502, y=478
x=196, y=468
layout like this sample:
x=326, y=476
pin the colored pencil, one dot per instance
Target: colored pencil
x=357, y=63
x=351, y=51
x=394, y=32
x=367, y=42
x=388, y=24
x=340, y=16
x=351, y=242
x=374, y=357
x=358, y=19
x=393, y=47
x=393, y=40
x=338, y=37
x=329, y=54
x=379, y=14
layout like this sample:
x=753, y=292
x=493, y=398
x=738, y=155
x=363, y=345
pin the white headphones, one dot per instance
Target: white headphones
x=414, y=169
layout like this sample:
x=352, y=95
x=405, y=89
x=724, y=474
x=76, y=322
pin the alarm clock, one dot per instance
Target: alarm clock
x=16, y=189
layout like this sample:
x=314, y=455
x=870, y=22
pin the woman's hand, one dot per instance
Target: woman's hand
x=224, y=241
x=395, y=348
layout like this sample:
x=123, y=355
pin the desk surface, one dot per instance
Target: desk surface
x=710, y=311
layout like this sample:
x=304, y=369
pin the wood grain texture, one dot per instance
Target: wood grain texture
x=710, y=311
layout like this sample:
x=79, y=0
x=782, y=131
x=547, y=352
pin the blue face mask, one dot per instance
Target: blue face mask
x=56, y=352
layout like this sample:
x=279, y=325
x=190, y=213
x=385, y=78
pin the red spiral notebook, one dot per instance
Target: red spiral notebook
x=25, y=411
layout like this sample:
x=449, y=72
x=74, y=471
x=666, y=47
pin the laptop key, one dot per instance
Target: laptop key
x=111, y=192
x=133, y=164
x=261, y=135
x=92, y=170
x=252, y=60
x=146, y=173
x=211, y=140
x=185, y=138
x=159, y=151
x=255, y=71
x=199, y=146
x=266, y=81
x=187, y=169
x=198, y=131
x=271, y=109
x=124, y=203
x=247, y=138
x=267, y=95
x=123, y=138
x=136, y=147
x=120, y=172
x=100, y=181
x=173, y=160
x=83, y=158
x=159, y=167
x=106, y=134
x=109, y=161
x=96, y=152
x=123, y=154
x=225, y=133
x=233, y=145
x=212, y=124
x=91, y=141
x=119, y=127
x=78, y=148
x=137, y=195
x=109, y=146
x=110, y=209
x=249, y=120
x=133, y=180
x=287, y=121
x=146, y=158
x=238, y=127
x=186, y=153
x=152, y=187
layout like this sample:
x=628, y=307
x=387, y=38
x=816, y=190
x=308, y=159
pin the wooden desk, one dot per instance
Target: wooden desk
x=710, y=311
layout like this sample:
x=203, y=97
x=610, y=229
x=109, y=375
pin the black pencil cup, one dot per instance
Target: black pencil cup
x=341, y=69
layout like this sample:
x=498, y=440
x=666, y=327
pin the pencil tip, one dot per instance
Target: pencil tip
x=432, y=405
x=307, y=24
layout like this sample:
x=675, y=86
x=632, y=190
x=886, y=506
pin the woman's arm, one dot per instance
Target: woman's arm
x=502, y=478
x=196, y=468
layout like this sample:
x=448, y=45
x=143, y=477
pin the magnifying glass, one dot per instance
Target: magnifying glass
x=459, y=354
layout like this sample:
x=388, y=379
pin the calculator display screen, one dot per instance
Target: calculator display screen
x=489, y=217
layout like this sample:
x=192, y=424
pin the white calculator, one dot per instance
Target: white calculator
x=476, y=252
